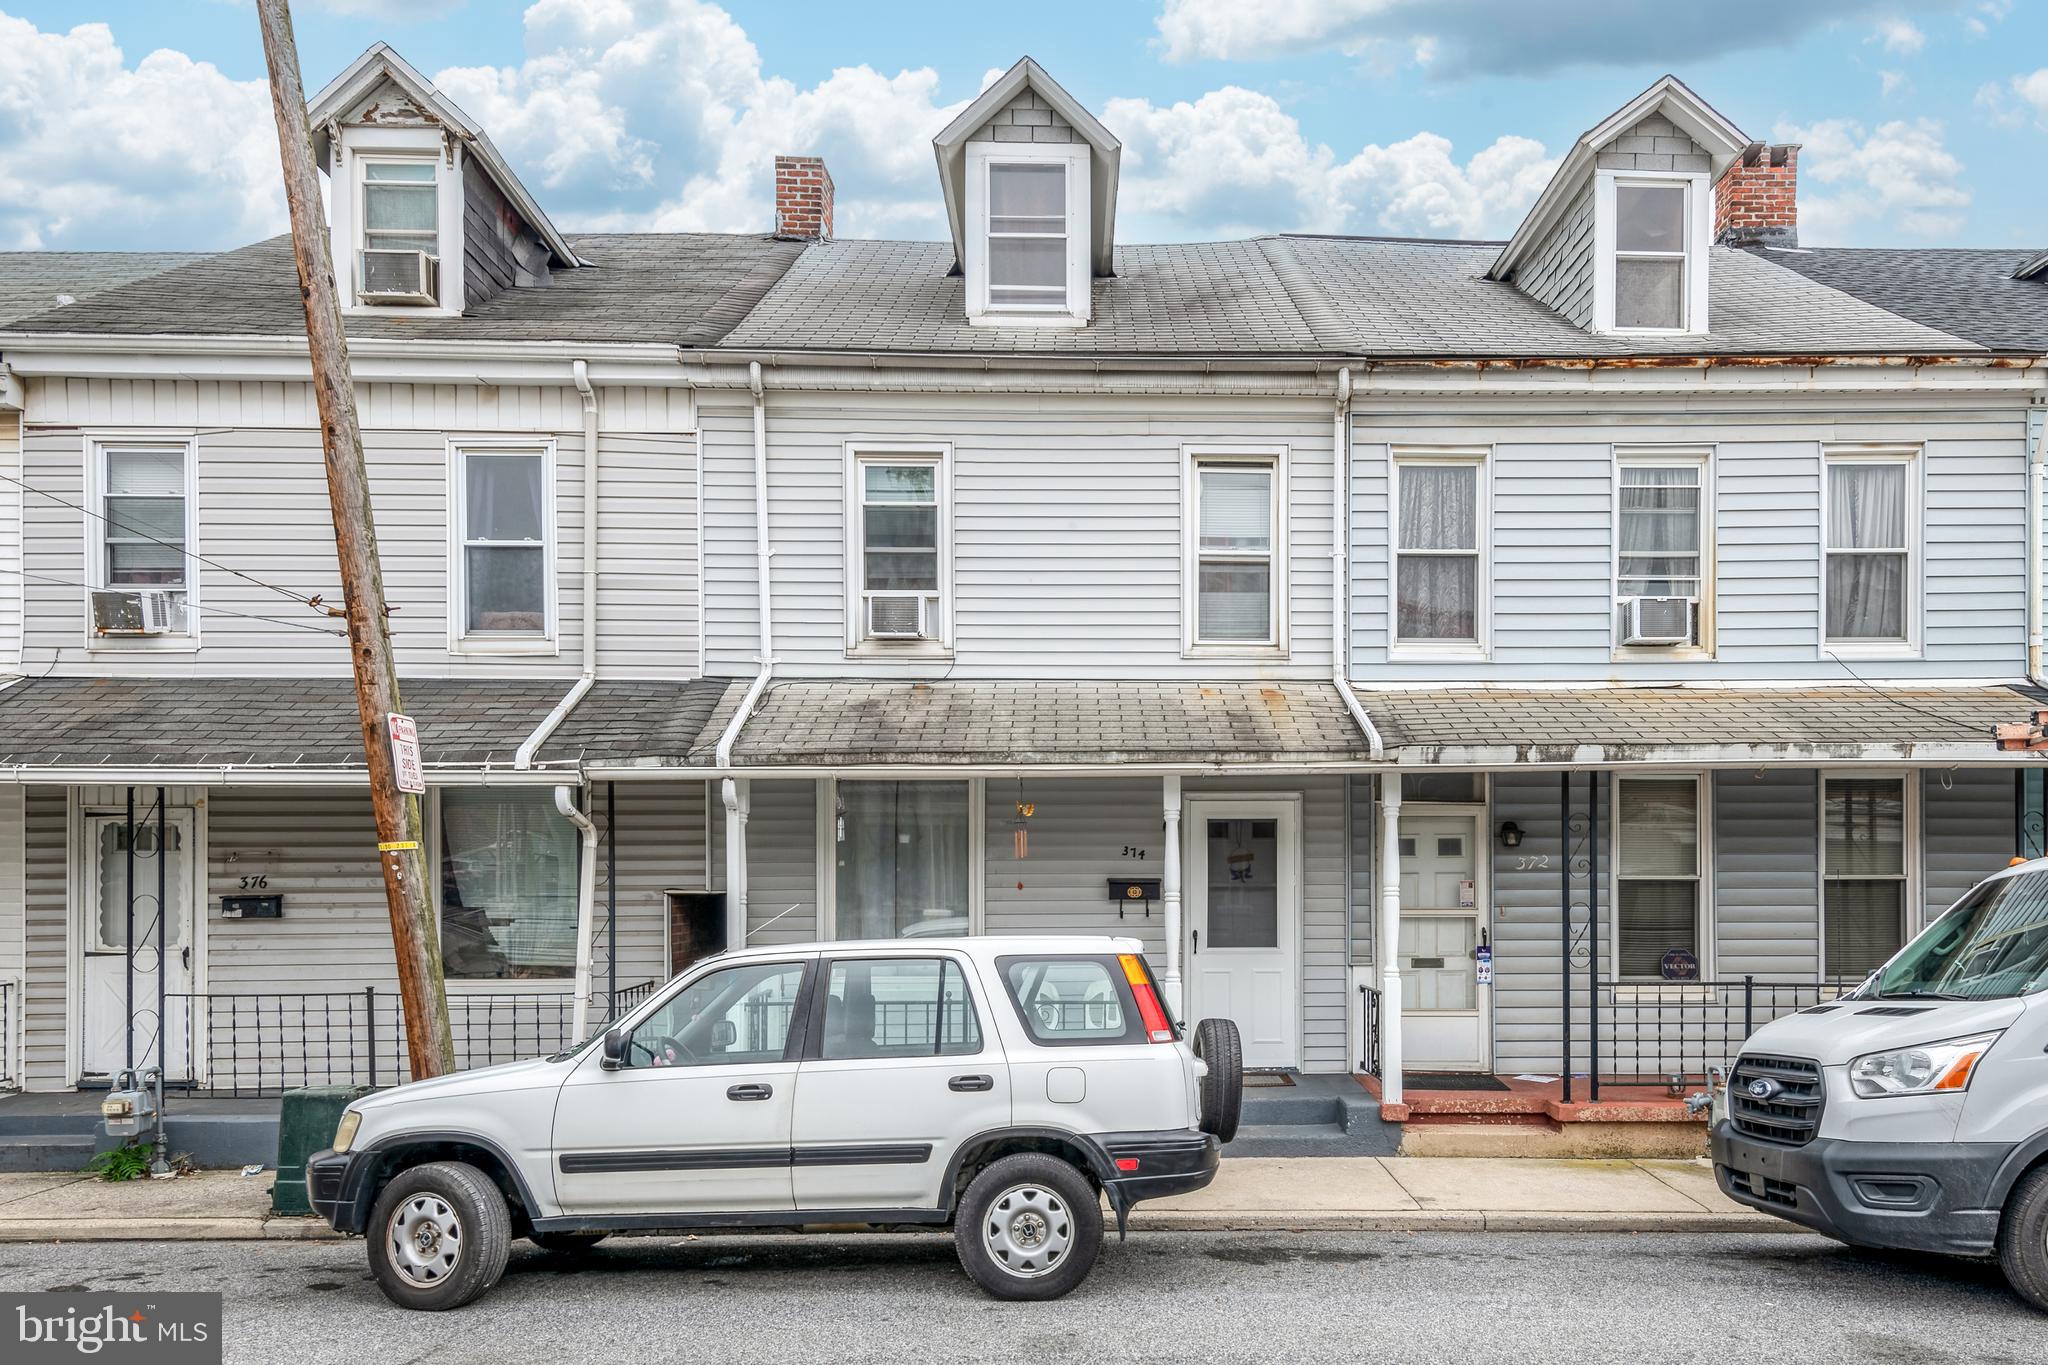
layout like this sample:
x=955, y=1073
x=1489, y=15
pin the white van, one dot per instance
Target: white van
x=1913, y=1113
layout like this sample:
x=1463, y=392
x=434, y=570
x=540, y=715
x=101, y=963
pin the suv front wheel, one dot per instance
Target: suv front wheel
x=439, y=1236
x=1029, y=1227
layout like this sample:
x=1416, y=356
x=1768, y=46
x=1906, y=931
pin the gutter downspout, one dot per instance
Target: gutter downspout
x=735, y=791
x=2037, y=477
x=565, y=796
x=1340, y=564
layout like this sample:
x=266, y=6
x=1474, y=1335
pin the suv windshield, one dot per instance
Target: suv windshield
x=1991, y=946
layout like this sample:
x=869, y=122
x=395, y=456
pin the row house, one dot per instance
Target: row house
x=1445, y=657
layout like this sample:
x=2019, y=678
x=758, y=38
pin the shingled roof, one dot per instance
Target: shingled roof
x=686, y=289
x=37, y=282
x=850, y=723
x=1677, y=724
x=1969, y=292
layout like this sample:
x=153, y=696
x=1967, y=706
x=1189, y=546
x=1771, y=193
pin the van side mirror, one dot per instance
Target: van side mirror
x=615, y=1048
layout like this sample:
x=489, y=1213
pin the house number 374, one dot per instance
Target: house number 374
x=1132, y=851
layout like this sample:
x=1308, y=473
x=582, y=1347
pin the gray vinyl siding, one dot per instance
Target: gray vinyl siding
x=1363, y=807
x=782, y=863
x=498, y=250
x=262, y=508
x=1066, y=530
x=1766, y=884
x=1967, y=820
x=1027, y=118
x=1527, y=943
x=1551, y=537
x=1653, y=144
x=1079, y=831
x=1559, y=273
x=45, y=936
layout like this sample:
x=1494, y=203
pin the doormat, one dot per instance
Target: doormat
x=1436, y=1080
x=1266, y=1080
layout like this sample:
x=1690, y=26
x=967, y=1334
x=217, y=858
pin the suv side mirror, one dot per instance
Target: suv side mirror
x=614, y=1048
x=725, y=1035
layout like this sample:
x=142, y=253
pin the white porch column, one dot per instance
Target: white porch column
x=1390, y=938
x=1169, y=894
x=737, y=799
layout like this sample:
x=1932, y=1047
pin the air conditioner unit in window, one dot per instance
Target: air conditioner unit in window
x=397, y=276
x=897, y=616
x=134, y=611
x=1657, y=620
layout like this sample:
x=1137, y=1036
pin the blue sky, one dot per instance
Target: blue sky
x=130, y=123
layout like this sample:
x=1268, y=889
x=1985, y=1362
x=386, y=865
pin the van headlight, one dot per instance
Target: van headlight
x=345, y=1131
x=1924, y=1070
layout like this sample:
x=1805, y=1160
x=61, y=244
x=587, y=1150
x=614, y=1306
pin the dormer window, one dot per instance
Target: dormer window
x=401, y=238
x=1027, y=251
x=1650, y=232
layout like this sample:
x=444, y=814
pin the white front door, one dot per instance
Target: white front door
x=115, y=976
x=1443, y=1015
x=1244, y=911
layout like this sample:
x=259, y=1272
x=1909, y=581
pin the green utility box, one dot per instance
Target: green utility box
x=305, y=1125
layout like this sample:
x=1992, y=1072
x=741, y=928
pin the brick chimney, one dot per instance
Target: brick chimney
x=1757, y=202
x=803, y=198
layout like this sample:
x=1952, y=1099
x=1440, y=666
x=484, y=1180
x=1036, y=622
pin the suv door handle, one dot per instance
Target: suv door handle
x=971, y=1083
x=748, y=1092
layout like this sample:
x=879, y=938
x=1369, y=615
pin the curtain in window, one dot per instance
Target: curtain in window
x=1866, y=596
x=1657, y=909
x=1660, y=532
x=902, y=859
x=1437, y=595
x=508, y=885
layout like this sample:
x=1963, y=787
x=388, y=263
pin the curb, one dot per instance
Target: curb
x=166, y=1230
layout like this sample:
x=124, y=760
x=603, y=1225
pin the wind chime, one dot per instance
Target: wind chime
x=1020, y=832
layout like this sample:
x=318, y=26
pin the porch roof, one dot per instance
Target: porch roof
x=310, y=724
x=1590, y=726
x=842, y=723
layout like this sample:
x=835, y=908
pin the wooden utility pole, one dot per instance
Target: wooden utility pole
x=399, y=828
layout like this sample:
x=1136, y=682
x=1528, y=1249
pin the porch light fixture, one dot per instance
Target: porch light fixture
x=1510, y=834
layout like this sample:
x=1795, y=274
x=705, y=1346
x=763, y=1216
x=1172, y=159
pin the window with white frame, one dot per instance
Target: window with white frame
x=401, y=204
x=143, y=530
x=1650, y=234
x=1661, y=532
x=1870, y=513
x=900, y=551
x=1235, y=549
x=1438, y=576
x=505, y=540
x=508, y=884
x=1028, y=233
x=1657, y=899
x=1863, y=873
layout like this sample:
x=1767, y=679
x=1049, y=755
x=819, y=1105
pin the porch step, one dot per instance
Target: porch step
x=46, y=1152
x=1305, y=1139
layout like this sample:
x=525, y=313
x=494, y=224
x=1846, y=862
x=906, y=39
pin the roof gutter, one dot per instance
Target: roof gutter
x=1340, y=564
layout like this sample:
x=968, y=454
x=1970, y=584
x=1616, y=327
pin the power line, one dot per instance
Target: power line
x=202, y=607
x=303, y=599
x=1896, y=701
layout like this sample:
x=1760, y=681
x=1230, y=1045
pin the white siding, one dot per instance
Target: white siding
x=1067, y=536
x=1527, y=942
x=782, y=862
x=10, y=541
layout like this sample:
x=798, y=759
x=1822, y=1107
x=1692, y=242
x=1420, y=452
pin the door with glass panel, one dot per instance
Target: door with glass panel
x=1243, y=917
x=900, y=865
x=121, y=935
x=1444, y=1024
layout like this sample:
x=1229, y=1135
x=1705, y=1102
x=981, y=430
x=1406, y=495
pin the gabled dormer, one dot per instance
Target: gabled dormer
x=1618, y=242
x=423, y=213
x=1029, y=177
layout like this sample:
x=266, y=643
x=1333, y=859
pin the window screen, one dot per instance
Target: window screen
x=401, y=209
x=1649, y=256
x=1027, y=235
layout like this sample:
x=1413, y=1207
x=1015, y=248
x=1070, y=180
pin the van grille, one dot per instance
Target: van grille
x=1789, y=1116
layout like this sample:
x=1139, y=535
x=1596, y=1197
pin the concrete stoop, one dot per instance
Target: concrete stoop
x=60, y=1131
x=1316, y=1116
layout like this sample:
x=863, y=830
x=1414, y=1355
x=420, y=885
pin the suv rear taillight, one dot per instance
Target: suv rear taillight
x=1158, y=1028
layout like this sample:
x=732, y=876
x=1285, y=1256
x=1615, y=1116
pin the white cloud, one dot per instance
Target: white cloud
x=1899, y=175
x=167, y=153
x=1892, y=82
x=2010, y=103
x=1899, y=36
x=2033, y=88
x=1988, y=12
x=1234, y=162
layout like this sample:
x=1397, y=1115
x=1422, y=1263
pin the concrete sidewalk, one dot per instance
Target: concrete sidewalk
x=1306, y=1193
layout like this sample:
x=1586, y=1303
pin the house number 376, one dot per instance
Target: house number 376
x=256, y=882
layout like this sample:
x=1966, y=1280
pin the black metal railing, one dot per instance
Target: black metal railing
x=1682, y=1032
x=1369, y=1027
x=264, y=1043
x=10, y=1026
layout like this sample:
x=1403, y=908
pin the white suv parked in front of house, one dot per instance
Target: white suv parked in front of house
x=1003, y=1086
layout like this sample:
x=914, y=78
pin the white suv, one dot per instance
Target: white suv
x=1004, y=1086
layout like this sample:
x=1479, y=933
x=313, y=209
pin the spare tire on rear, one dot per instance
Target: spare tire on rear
x=1217, y=1043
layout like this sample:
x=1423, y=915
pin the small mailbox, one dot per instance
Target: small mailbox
x=252, y=907
x=1129, y=891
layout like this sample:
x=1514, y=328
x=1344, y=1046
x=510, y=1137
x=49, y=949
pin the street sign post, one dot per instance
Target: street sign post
x=405, y=754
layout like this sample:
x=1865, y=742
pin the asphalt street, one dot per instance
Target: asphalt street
x=1186, y=1296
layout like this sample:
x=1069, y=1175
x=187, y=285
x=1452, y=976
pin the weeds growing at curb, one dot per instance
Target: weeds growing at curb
x=129, y=1161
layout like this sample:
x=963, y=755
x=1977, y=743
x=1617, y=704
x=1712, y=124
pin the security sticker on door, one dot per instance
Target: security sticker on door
x=1483, y=957
x=1467, y=897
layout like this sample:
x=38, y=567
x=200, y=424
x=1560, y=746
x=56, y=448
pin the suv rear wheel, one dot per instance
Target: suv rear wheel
x=1217, y=1043
x=439, y=1235
x=1029, y=1227
x=2023, y=1238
